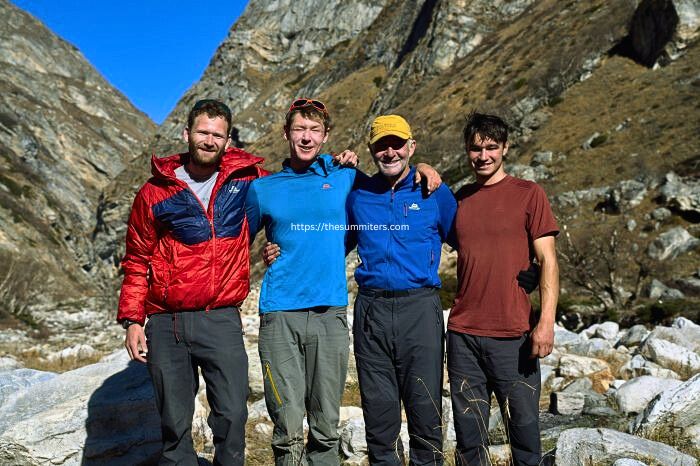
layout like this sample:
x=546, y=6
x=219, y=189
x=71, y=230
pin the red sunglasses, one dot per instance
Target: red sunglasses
x=301, y=103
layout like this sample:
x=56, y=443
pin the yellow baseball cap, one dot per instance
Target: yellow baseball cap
x=389, y=125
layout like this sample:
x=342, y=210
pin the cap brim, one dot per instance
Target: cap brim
x=399, y=134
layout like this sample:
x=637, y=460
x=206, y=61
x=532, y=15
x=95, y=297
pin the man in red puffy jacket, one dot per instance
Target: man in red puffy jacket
x=186, y=268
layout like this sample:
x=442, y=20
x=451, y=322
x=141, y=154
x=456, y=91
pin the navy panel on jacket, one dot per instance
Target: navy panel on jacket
x=229, y=208
x=184, y=216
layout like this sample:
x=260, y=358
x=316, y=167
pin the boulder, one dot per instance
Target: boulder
x=639, y=366
x=567, y=403
x=256, y=384
x=607, y=330
x=593, y=348
x=586, y=446
x=680, y=193
x=658, y=290
x=673, y=410
x=258, y=410
x=687, y=337
x=634, y=336
x=635, y=395
x=672, y=243
x=628, y=462
x=97, y=414
x=671, y=356
x=13, y=382
x=579, y=366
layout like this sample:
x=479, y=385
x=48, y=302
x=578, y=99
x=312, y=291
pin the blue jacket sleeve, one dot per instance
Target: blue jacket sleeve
x=447, y=208
x=252, y=212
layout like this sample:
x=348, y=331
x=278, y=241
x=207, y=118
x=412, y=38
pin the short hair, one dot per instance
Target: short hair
x=486, y=126
x=310, y=112
x=213, y=108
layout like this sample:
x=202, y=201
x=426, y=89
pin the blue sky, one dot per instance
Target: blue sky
x=151, y=50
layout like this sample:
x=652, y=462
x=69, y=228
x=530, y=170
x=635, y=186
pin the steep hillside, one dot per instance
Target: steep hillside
x=65, y=133
x=599, y=94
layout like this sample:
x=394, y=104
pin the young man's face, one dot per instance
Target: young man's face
x=391, y=155
x=207, y=140
x=306, y=137
x=486, y=157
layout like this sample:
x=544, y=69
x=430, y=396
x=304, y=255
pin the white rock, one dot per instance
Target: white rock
x=628, y=462
x=263, y=429
x=258, y=410
x=350, y=412
x=94, y=415
x=590, y=331
x=676, y=409
x=672, y=243
x=658, y=290
x=256, y=383
x=635, y=395
x=12, y=383
x=587, y=446
x=639, y=366
x=607, y=330
x=77, y=352
x=352, y=439
x=564, y=337
x=671, y=356
x=594, y=348
x=684, y=337
x=567, y=403
x=500, y=454
x=8, y=363
x=579, y=366
x=634, y=336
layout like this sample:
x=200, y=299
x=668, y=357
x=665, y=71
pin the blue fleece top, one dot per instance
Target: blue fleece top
x=400, y=232
x=304, y=213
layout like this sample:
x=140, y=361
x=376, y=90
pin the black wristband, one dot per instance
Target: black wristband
x=126, y=323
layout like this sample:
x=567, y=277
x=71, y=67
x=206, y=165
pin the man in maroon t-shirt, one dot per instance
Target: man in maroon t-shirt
x=494, y=338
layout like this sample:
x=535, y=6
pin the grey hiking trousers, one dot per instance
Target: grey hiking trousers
x=304, y=358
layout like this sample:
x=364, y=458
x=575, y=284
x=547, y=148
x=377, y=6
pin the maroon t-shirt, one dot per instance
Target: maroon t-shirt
x=495, y=227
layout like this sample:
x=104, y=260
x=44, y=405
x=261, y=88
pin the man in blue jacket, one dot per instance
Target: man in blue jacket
x=398, y=322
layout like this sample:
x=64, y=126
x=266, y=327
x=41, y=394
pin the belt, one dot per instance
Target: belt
x=379, y=293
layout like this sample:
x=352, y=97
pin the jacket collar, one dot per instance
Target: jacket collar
x=321, y=166
x=233, y=159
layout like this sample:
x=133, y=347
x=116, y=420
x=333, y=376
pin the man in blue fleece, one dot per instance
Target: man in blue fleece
x=398, y=321
x=304, y=339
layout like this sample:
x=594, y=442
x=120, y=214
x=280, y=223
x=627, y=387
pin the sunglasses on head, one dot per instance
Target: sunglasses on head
x=301, y=103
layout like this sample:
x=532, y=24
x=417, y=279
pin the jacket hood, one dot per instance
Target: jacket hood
x=233, y=159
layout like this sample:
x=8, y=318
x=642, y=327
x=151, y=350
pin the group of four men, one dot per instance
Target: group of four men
x=187, y=269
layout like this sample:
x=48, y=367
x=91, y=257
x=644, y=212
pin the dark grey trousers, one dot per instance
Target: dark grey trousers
x=180, y=342
x=399, y=350
x=479, y=366
x=304, y=357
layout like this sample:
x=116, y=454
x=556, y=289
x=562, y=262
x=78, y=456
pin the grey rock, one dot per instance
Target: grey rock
x=628, y=462
x=672, y=243
x=14, y=381
x=578, y=366
x=542, y=158
x=258, y=410
x=635, y=395
x=567, y=403
x=564, y=337
x=104, y=412
x=631, y=224
x=593, y=348
x=584, y=446
x=681, y=194
x=634, y=336
x=687, y=336
x=526, y=172
x=671, y=356
x=660, y=214
x=8, y=363
x=673, y=410
x=638, y=366
x=607, y=330
x=658, y=290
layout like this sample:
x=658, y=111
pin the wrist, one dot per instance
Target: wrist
x=126, y=323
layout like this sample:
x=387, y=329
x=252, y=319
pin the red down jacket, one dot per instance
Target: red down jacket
x=179, y=256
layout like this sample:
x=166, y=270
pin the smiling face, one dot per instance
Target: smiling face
x=207, y=140
x=306, y=137
x=486, y=158
x=391, y=154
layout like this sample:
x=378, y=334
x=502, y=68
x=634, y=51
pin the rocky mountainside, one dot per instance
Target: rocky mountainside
x=65, y=133
x=601, y=96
